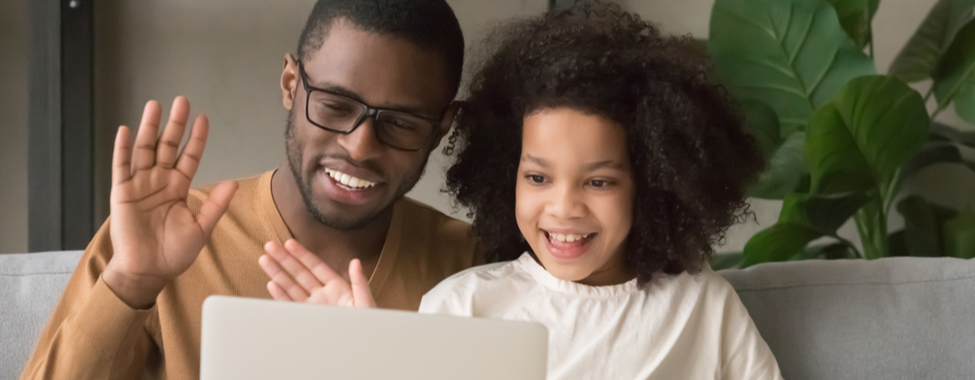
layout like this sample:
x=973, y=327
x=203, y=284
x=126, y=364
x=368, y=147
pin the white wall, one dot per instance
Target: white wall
x=894, y=23
x=13, y=126
x=225, y=56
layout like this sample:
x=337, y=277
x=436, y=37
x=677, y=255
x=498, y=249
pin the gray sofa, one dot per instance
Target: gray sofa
x=896, y=318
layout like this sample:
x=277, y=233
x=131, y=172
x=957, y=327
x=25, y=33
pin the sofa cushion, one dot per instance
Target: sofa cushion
x=30, y=286
x=893, y=318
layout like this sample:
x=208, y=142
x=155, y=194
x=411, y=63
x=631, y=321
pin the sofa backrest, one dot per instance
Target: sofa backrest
x=30, y=286
x=894, y=318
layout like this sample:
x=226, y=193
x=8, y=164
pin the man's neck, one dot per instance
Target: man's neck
x=335, y=247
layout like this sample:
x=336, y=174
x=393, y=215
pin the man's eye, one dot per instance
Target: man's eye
x=401, y=124
x=336, y=108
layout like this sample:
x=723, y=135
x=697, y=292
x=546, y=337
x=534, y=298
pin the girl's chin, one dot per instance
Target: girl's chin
x=574, y=273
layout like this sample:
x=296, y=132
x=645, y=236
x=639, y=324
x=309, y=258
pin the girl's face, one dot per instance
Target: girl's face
x=574, y=198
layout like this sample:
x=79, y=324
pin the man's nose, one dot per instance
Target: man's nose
x=362, y=144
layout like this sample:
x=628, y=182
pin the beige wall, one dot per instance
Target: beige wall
x=13, y=126
x=225, y=56
x=895, y=22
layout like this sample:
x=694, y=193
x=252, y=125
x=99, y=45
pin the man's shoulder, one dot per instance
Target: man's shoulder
x=420, y=215
x=436, y=233
x=248, y=190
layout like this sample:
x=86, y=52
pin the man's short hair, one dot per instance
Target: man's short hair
x=427, y=23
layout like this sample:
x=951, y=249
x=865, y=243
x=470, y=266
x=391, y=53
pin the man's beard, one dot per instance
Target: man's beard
x=339, y=222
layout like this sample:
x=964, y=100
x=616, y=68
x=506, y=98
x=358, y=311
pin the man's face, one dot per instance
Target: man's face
x=346, y=180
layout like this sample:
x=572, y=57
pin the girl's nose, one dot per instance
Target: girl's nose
x=566, y=203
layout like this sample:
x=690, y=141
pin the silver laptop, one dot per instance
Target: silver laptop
x=259, y=339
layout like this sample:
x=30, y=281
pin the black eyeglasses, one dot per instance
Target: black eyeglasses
x=341, y=114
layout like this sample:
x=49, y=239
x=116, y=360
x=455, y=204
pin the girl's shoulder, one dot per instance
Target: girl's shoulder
x=705, y=283
x=453, y=295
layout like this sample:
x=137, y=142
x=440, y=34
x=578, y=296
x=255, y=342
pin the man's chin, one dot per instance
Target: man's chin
x=345, y=217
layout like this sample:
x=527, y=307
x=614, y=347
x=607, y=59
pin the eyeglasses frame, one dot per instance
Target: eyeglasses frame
x=370, y=111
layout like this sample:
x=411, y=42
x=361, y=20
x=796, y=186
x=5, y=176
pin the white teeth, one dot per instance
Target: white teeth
x=568, y=237
x=348, y=180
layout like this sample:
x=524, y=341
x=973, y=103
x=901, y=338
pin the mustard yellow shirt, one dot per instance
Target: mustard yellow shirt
x=92, y=334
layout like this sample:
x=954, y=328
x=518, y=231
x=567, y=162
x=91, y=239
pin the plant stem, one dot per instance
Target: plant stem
x=872, y=225
x=892, y=189
x=871, y=46
x=937, y=111
x=928, y=95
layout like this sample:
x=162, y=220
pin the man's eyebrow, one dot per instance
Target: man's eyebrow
x=537, y=160
x=336, y=89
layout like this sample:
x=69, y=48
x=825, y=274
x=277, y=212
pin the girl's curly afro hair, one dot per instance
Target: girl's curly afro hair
x=691, y=155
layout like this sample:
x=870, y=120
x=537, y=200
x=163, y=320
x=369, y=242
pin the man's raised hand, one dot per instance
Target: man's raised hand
x=155, y=236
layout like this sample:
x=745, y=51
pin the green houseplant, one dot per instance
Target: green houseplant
x=841, y=139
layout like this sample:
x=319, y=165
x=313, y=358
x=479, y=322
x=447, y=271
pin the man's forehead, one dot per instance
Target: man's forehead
x=381, y=69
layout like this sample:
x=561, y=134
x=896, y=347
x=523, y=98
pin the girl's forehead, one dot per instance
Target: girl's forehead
x=565, y=135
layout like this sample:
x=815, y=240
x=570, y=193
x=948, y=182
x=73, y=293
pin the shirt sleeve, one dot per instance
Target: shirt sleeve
x=746, y=356
x=92, y=334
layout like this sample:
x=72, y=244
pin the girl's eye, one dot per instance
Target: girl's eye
x=534, y=178
x=598, y=183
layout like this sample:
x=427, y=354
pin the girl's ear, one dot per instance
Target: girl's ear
x=289, y=81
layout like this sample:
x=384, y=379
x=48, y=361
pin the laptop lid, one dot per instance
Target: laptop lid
x=261, y=339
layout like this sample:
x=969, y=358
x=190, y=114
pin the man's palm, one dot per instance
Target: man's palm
x=154, y=234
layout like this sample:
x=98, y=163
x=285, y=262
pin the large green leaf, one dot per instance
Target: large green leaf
x=804, y=218
x=785, y=168
x=785, y=171
x=833, y=251
x=919, y=58
x=923, y=223
x=965, y=106
x=855, y=17
x=942, y=132
x=959, y=236
x=777, y=243
x=934, y=153
x=823, y=213
x=721, y=261
x=858, y=141
x=763, y=124
x=790, y=54
x=954, y=79
x=897, y=245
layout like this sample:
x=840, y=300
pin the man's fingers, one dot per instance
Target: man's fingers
x=215, y=205
x=121, y=157
x=189, y=160
x=302, y=275
x=318, y=268
x=144, y=153
x=361, y=294
x=172, y=135
x=273, y=268
x=277, y=292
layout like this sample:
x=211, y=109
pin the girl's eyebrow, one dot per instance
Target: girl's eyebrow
x=537, y=160
x=612, y=164
x=604, y=164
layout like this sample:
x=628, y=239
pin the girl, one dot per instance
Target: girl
x=600, y=165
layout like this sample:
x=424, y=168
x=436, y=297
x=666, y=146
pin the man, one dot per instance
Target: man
x=370, y=95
